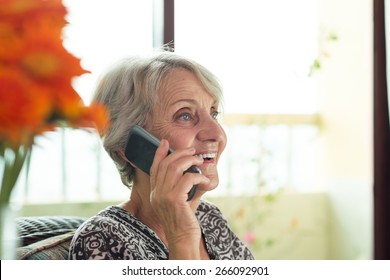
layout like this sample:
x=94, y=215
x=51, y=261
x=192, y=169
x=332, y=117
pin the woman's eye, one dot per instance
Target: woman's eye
x=185, y=116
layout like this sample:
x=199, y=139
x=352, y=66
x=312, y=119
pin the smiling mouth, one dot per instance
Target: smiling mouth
x=208, y=157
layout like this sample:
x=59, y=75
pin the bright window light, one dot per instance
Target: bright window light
x=260, y=50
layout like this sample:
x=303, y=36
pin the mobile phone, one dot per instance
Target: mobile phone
x=140, y=149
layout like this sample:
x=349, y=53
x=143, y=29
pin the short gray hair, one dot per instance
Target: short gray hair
x=129, y=89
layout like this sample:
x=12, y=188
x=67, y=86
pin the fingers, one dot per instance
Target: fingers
x=167, y=172
x=187, y=182
x=161, y=153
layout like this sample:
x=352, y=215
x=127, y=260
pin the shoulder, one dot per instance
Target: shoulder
x=100, y=236
x=107, y=219
x=207, y=208
x=210, y=216
x=115, y=234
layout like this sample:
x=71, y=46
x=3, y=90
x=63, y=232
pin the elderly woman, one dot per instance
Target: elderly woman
x=177, y=101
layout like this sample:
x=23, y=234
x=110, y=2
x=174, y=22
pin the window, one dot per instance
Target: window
x=261, y=51
x=71, y=164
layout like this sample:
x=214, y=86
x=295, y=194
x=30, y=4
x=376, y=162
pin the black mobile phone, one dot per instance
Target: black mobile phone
x=140, y=149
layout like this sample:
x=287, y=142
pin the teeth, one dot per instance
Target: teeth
x=209, y=155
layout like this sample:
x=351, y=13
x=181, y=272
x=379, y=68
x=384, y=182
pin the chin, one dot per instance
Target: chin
x=211, y=172
x=214, y=181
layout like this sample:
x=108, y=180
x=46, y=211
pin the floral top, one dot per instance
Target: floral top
x=115, y=234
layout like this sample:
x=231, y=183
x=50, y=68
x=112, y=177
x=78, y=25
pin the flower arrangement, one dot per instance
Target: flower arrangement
x=36, y=93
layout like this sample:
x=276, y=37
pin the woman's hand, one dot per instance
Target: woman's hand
x=169, y=193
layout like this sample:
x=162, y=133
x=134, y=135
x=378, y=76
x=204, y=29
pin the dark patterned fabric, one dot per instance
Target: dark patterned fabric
x=34, y=229
x=116, y=234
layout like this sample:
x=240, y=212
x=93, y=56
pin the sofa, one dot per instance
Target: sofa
x=46, y=237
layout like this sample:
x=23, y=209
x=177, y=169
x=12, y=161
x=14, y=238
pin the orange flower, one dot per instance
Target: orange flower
x=93, y=116
x=36, y=72
x=23, y=21
x=48, y=62
x=10, y=42
x=24, y=108
x=18, y=9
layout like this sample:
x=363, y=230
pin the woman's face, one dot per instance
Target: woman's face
x=186, y=115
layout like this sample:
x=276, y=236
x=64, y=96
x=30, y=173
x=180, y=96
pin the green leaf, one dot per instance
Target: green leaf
x=269, y=242
x=316, y=64
x=332, y=37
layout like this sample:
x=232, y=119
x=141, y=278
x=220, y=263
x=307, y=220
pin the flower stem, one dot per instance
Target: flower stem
x=13, y=164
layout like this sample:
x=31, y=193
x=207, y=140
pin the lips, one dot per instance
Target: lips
x=208, y=157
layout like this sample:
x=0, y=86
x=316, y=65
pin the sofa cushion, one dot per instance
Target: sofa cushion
x=46, y=237
x=34, y=229
x=52, y=248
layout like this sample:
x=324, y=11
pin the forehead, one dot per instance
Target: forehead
x=181, y=84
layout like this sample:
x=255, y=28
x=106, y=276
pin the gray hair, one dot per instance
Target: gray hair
x=129, y=91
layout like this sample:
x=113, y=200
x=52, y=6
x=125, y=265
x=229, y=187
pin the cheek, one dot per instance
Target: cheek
x=223, y=142
x=211, y=172
x=161, y=129
x=180, y=140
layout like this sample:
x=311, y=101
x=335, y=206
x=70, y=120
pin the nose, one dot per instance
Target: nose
x=211, y=130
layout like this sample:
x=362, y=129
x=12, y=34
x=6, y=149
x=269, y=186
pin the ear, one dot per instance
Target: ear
x=122, y=155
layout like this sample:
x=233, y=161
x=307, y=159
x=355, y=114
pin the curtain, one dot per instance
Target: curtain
x=381, y=139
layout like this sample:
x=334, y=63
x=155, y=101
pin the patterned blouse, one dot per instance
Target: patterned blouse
x=114, y=234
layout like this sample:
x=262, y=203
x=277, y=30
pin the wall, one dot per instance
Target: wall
x=345, y=104
x=282, y=226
